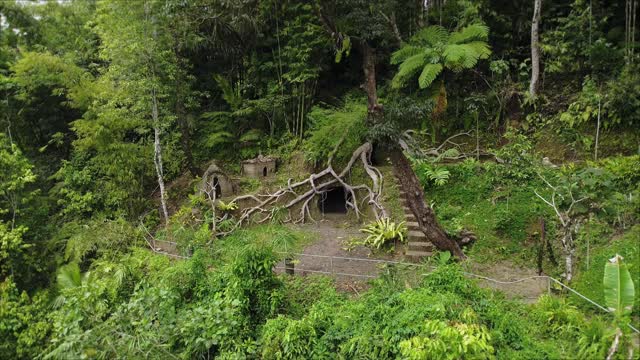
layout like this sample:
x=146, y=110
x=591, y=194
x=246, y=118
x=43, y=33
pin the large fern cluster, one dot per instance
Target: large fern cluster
x=434, y=49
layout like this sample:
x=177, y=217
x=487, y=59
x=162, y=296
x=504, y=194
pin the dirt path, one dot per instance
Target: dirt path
x=528, y=290
x=327, y=253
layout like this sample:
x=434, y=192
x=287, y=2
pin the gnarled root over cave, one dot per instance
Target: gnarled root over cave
x=303, y=192
x=265, y=206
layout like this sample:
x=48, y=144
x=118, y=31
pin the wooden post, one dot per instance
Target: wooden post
x=289, y=266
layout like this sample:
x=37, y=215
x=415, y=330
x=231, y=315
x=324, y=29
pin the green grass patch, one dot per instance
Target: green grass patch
x=589, y=279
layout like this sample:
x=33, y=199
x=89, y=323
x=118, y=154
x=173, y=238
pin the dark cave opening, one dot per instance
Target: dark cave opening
x=334, y=201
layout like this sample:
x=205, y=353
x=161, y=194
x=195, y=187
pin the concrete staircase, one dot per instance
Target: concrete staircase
x=418, y=244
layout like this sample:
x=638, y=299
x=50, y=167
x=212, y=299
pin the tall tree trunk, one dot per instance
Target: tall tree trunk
x=185, y=132
x=595, y=155
x=369, y=68
x=535, y=49
x=157, y=154
x=424, y=213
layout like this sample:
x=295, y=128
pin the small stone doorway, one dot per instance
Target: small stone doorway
x=216, y=183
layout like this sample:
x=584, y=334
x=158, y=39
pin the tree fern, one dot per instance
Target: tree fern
x=454, y=56
x=474, y=32
x=433, y=49
x=404, y=53
x=408, y=68
x=431, y=36
x=429, y=74
x=481, y=48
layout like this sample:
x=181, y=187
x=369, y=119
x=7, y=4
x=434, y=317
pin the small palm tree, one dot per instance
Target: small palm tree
x=69, y=277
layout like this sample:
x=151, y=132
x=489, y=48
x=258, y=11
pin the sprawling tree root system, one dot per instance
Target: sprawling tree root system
x=265, y=206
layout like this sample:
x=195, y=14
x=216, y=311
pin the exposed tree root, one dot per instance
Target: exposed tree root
x=296, y=201
x=266, y=205
x=447, y=150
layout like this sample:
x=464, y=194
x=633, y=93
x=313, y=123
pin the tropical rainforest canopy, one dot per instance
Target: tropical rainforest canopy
x=485, y=134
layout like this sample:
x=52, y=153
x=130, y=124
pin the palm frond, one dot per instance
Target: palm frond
x=216, y=115
x=404, y=53
x=228, y=93
x=429, y=74
x=431, y=35
x=218, y=138
x=69, y=276
x=252, y=135
x=473, y=32
x=407, y=69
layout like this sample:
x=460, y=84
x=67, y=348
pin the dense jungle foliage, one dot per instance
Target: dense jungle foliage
x=520, y=119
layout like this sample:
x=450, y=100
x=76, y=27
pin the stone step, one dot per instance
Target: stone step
x=417, y=255
x=411, y=225
x=415, y=234
x=420, y=246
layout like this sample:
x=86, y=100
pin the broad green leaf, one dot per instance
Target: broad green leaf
x=619, y=290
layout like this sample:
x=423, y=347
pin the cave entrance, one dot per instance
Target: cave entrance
x=264, y=171
x=217, y=189
x=334, y=201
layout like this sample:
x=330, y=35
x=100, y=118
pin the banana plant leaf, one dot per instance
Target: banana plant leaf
x=619, y=290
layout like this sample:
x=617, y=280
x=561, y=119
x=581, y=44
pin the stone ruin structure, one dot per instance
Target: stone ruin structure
x=215, y=178
x=260, y=167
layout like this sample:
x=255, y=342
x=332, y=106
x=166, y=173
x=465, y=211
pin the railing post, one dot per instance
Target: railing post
x=289, y=266
x=331, y=265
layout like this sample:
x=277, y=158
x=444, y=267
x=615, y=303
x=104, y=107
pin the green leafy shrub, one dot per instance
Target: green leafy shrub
x=439, y=340
x=430, y=174
x=518, y=159
x=24, y=328
x=383, y=232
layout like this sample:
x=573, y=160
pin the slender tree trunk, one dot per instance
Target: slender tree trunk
x=424, y=213
x=595, y=155
x=541, y=246
x=422, y=14
x=569, y=250
x=157, y=154
x=394, y=27
x=615, y=344
x=535, y=49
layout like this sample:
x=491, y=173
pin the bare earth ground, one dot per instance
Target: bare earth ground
x=334, y=230
x=528, y=290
